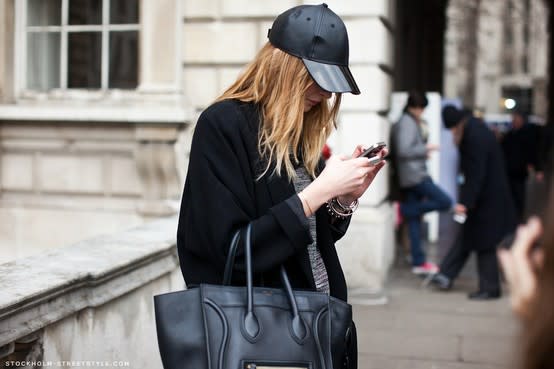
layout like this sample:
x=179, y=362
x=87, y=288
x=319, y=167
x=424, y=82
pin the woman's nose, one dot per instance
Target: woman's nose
x=325, y=94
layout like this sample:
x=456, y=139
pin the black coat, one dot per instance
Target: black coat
x=222, y=195
x=521, y=149
x=485, y=191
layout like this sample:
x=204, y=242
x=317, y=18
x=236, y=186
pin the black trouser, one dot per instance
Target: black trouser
x=517, y=188
x=487, y=265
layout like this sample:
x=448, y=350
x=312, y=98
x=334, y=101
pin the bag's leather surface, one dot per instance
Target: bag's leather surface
x=226, y=327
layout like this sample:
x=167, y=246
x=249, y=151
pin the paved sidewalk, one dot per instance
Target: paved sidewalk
x=426, y=329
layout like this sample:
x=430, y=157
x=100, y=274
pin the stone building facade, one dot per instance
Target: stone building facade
x=97, y=108
x=93, y=141
x=497, y=49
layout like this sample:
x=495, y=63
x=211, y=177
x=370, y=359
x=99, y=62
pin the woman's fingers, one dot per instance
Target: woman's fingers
x=506, y=261
x=357, y=151
x=361, y=162
x=377, y=167
x=520, y=265
x=537, y=257
x=526, y=237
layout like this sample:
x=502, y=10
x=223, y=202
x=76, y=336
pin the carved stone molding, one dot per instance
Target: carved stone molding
x=156, y=160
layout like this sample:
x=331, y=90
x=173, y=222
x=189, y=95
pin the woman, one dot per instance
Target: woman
x=529, y=269
x=256, y=159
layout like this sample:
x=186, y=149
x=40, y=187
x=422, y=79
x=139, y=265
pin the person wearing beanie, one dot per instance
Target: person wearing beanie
x=420, y=194
x=256, y=160
x=484, y=202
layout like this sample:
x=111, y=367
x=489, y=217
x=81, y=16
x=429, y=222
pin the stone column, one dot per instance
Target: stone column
x=156, y=161
x=6, y=50
x=490, y=51
x=160, y=78
x=160, y=69
x=367, y=250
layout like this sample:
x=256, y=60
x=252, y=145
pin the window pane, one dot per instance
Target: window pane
x=85, y=12
x=44, y=12
x=84, y=51
x=123, y=59
x=43, y=60
x=124, y=11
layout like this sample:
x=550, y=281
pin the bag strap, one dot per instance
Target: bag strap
x=251, y=325
x=228, y=273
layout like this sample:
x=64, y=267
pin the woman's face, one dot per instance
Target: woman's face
x=314, y=96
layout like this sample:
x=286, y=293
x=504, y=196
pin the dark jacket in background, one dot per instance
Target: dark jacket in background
x=546, y=152
x=485, y=191
x=521, y=149
x=222, y=195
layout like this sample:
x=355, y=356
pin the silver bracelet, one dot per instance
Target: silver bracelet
x=337, y=210
x=336, y=213
x=352, y=207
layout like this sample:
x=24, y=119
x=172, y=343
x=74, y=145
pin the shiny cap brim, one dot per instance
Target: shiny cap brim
x=332, y=78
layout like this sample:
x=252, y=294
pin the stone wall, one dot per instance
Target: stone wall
x=79, y=163
x=91, y=301
x=486, y=50
x=67, y=181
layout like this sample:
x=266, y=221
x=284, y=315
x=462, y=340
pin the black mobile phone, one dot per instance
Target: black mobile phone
x=373, y=149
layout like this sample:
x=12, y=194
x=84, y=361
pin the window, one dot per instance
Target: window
x=80, y=44
x=522, y=97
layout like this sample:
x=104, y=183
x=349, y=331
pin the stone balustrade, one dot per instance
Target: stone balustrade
x=91, y=301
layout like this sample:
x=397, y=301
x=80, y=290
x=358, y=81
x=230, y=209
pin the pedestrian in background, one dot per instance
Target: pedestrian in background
x=484, y=202
x=420, y=194
x=520, y=146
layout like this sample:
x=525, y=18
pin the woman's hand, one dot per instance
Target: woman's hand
x=348, y=198
x=521, y=264
x=344, y=177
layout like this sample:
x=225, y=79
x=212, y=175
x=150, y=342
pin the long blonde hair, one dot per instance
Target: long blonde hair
x=278, y=82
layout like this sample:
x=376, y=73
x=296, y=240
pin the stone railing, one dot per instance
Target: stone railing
x=89, y=304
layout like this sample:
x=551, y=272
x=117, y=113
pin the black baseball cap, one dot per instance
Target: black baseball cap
x=318, y=36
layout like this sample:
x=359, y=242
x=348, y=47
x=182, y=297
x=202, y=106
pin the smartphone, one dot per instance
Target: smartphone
x=372, y=151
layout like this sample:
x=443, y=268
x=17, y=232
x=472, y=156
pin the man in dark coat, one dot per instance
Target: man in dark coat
x=520, y=145
x=484, y=202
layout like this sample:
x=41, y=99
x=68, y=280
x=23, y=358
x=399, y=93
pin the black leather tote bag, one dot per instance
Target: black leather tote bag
x=228, y=327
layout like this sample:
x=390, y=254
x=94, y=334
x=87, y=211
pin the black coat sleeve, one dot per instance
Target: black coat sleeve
x=337, y=226
x=220, y=198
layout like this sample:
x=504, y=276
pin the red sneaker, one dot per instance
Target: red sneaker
x=425, y=268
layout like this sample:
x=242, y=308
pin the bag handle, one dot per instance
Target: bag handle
x=251, y=324
x=228, y=273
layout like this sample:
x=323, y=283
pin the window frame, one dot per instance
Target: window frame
x=22, y=30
